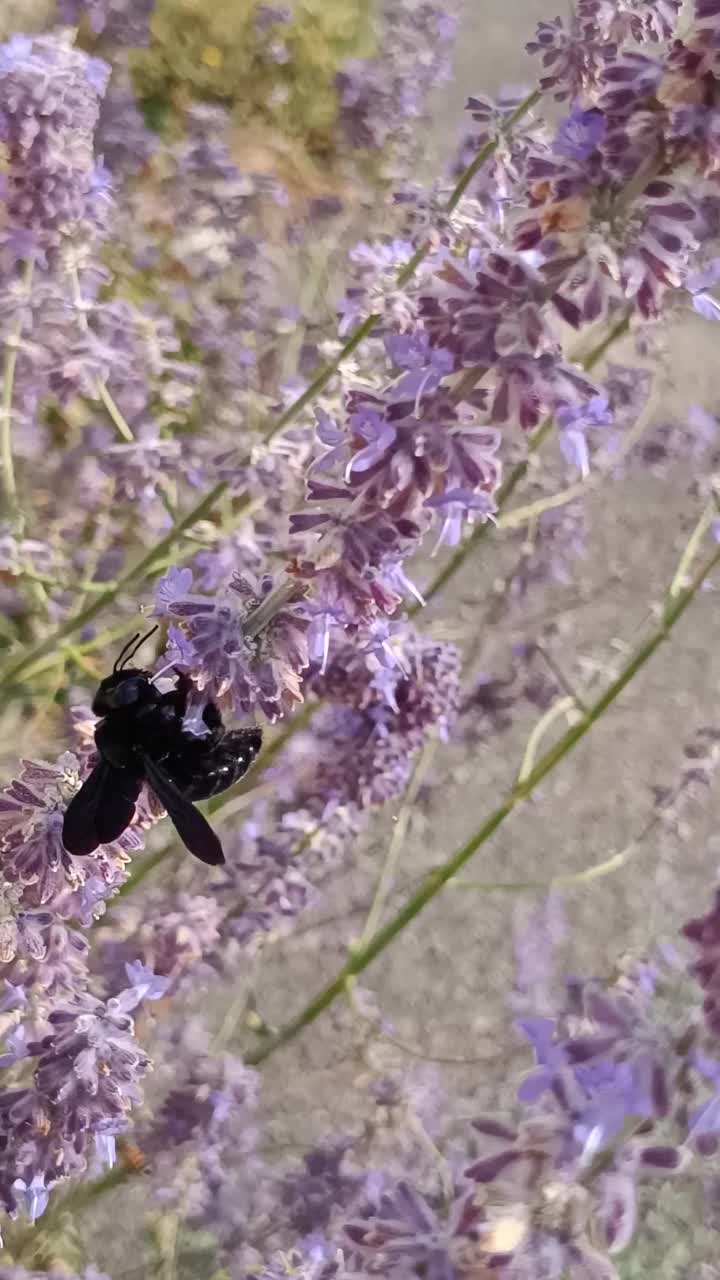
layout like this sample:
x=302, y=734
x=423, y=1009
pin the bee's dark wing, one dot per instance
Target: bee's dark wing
x=101, y=810
x=194, y=830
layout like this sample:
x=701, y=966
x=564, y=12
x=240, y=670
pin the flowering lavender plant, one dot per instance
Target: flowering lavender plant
x=284, y=417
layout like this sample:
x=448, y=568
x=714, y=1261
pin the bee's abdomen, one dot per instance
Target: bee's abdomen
x=225, y=764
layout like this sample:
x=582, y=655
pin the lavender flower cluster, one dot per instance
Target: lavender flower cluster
x=181, y=429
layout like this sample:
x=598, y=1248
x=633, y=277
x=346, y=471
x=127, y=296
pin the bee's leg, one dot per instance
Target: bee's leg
x=212, y=717
x=177, y=698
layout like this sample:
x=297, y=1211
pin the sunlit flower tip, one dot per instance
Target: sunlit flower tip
x=698, y=284
x=574, y=421
x=105, y=1149
x=458, y=506
x=33, y=1197
x=146, y=984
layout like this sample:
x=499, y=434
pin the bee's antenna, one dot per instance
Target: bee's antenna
x=125, y=649
x=131, y=648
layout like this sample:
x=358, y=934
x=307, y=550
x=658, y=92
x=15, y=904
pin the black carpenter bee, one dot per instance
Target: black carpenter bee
x=143, y=737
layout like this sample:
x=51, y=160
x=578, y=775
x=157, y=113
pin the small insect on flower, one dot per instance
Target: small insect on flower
x=144, y=737
x=132, y=1156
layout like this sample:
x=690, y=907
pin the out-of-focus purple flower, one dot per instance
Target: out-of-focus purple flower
x=546, y=1214
x=381, y=98
x=244, y=648
x=198, y=1106
x=374, y=269
x=573, y=424
x=619, y=1065
x=504, y=169
x=698, y=283
x=50, y=96
x=144, y=983
x=209, y=1113
x=122, y=137
x=572, y=52
x=424, y=676
x=172, y=940
x=401, y=1233
x=120, y=22
x=313, y=1194
x=704, y=932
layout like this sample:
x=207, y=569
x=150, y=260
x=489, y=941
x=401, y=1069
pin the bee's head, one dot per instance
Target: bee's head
x=128, y=688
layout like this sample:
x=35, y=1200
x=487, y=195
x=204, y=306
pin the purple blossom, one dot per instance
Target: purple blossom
x=373, y=489
x=572, y=53
x=402, y=1233
x=198, y=1107
x=35, y=861
x=145, y=984
x=124, y=22
x=704, y=932
x=50, y=101
x=698, y=283
x=548, y=1213
x=244, y=648
x=86, y=1075
x=122, y=138
x=573, y=424
x=314, y=1193
x=620, y=1065
x=170, y=942
x=580, y=133
x=380, y=718
x=382, y=97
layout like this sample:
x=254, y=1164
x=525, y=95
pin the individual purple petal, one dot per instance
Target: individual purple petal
x=580, y=133
x=489, y=1168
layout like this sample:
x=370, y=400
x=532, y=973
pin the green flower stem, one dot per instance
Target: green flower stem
x=9, y=487
x=133, y=578
x=438, y=879
x=146, y=567
x=101, y=391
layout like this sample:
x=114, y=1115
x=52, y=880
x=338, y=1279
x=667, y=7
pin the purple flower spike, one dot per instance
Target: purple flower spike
x=50, y=95
x=245, y=647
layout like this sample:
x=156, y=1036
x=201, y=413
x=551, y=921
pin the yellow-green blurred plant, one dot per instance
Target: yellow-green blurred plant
x=276, y=66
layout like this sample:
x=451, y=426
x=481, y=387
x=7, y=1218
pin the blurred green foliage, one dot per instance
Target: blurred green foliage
x=281, y=73
x=174, y=1250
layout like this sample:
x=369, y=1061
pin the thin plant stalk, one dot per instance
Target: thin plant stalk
x=9, y=485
